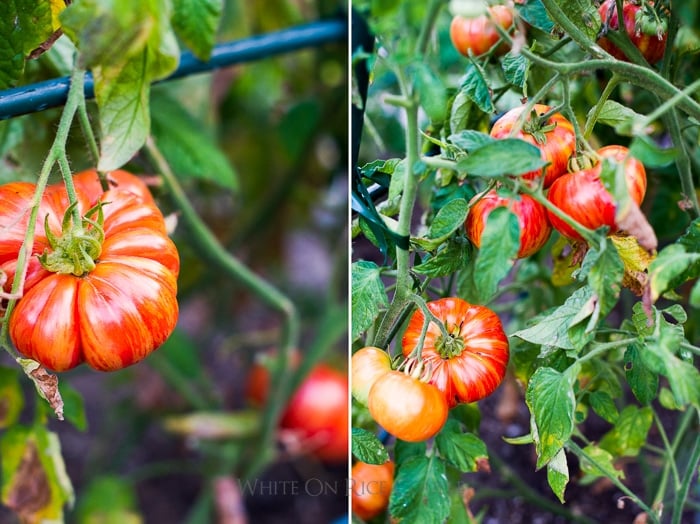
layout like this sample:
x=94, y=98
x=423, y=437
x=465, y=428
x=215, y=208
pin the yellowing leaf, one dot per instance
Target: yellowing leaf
x=636, y=260
x=56, y=7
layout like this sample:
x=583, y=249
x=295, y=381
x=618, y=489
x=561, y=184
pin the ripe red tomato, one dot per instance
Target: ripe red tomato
x=478, y=35
x=371, y=488
x=472, y=362
x=646, y=32
x=89, y=183
x=257, y=385
x=319, y=411
x=407, y=408
x=368, y=364
x=112, y=315
x=582, y=196
x=532, y=219
x=555, y=139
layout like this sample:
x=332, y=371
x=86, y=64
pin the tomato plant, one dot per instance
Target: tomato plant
x=318, y=411
x=371, y=487
x=552, y=133
x=477, y=35
x=532, y=220
x=557, y=310
x=582, y=195
x=367, y=365
x=645, y=23
x=407, y=407
x=468, y=360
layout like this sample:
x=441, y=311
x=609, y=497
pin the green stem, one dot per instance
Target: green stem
x=682, y=491
x=602, y=348
x=664, y=107
x=230, y=265
x=683, y=164
x=576, y=450
x=57, y=151
x=669, y=462
x=598, y=107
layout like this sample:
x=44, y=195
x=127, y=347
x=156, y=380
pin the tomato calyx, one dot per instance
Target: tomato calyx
x=650, y=21
x=538, y=127
x=452, y=345
x=581, y=161
x=79, y=246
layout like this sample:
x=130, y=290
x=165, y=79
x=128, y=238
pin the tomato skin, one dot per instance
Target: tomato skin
x=581, y=194
x=116, y=314
x=651, y=46
x=478, y=35
x=371, y=488
x=532, y=219
x=556, y=146
x=89, y=183
x=319, y=411
x=407, y=408
x=479, y=369
x=367, y=365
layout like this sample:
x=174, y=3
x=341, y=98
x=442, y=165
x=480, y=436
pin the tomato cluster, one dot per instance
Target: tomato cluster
x=462, y=359
x=101, y=289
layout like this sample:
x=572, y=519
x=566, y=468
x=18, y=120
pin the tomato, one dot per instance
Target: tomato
x=406, y=407
x=257, y=385
x=371, y=488
x=109, y=301
x=319, y=411
x=532, y=219
x=471, y=363
x=582, y=196
x=89, y=183
x=368, y=364
x=648, y=32
x=478, y=35
x=554, y=137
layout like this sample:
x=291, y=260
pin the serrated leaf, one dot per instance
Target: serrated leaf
x=421, y=491
x=552, y=403
x=24, y=25
x=34, y=480
x=448, y=260
x=629, y=434
x=509, y=156
x=584, y=14
x=534, y=13
x=475, y=87
x=462, y=450
x=551, y=328
x=448, y=219
x=643, y=382
x=515, y=69
x=196, y=22
x=190, y=150
x=597, y=462
x=368, y=295
x=469, y=139
x=604, y=270
x=431, y=91
x=670, y=268
x=620, y=117
x=604, y=406
x=500, y=242
x=558, y=474
x=367, y=447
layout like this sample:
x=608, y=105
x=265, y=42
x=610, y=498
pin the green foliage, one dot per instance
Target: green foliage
x=366, y=447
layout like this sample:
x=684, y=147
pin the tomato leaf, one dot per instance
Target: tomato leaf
x=620, y=117
x=500, y=242
x=195, y=22
x=34, y=480
x=367, y=447
x=604, y=406
x=604, y=271
x=629, y=434
x=431, y=91
x=191, y=150
x=643, y=382
x=11, y=396
x=515, y=69
x=670, y=268
x=475, y=87
x=584, y=14
x=368, y=296
x=650, y=154
x=73, y=406
x=534, y=13
x=551, y=328
x=421, y=491
x=558, y=474
x=122, y=501
x=448, y=259
x=24, y=25
x=597, y=462
x=460, y=449
x=552, y=403
x=469, y=139
x=448, y=220
x=509, y=156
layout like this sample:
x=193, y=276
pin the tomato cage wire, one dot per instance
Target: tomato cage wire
x=52, y=93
